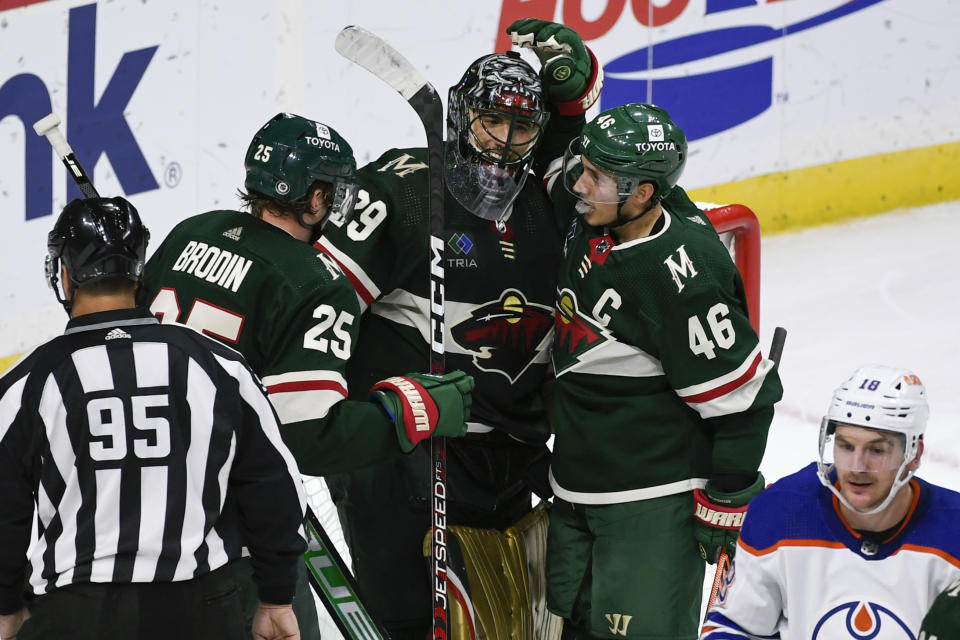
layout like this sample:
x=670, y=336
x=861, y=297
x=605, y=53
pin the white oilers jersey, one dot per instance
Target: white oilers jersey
x=801, y=572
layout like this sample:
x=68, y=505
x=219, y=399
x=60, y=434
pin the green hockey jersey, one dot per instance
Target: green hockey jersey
x=293, y=315
x=500, y=280
x=660, y=379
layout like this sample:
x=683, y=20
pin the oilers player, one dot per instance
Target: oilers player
x=853, y=546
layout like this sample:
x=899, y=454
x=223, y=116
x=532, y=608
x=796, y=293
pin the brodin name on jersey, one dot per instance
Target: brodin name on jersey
x=505, y=335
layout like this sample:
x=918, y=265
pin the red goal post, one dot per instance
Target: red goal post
x=744, y=228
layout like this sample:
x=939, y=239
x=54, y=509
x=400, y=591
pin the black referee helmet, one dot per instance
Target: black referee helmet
x=96, y=239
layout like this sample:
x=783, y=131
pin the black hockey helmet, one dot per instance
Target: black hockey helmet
x=96, y=239
x=495, y=118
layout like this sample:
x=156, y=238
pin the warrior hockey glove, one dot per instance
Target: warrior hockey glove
x=571, y=76
x=423, y=405
x=718, y=517
x=943, y=619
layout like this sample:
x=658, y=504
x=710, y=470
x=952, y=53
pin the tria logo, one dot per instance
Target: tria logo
x=95, y=126
x=505, y=335
x=116, y=334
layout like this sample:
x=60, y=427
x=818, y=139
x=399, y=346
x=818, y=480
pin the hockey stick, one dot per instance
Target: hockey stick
x=723, y=560
x=333, y=582
x=385, y=62
x=328, y=573
x=49, y=127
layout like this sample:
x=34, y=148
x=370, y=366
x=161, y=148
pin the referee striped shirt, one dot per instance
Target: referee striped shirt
x=132, y=451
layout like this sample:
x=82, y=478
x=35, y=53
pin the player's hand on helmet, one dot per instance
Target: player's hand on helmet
x=718, y=516
x=943, y=619
x=571, y=76
x=424, y=405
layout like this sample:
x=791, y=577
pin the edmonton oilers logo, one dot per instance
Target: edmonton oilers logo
x=861, y=621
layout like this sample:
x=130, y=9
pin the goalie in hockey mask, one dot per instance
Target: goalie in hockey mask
x=99, y=241
x=289, y=157
x=892, y=404
x=621, y=149
x=495, y=120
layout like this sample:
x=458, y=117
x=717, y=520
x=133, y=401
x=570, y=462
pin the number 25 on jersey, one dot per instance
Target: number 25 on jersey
x=330, y=335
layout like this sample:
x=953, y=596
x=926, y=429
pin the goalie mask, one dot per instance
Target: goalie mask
x=96, y=239
x=495, y=120
x=627, y=146
x=888, y=400
x=290, y=154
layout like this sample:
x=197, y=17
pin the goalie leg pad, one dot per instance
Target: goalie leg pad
x=497, y=581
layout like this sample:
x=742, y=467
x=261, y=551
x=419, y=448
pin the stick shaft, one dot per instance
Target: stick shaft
x=723, y=561
x=49, y=127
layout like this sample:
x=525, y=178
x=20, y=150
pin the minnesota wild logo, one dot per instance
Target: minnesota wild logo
x=505, y=335
x=576, y=332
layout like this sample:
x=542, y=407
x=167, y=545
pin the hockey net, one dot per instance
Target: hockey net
x=739, y=229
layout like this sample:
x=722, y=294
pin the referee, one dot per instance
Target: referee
x=136, y=459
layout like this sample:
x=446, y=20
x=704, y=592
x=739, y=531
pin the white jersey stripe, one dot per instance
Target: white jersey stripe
x=616, y=359
x=630, y=495
x=38, y=547
x=264, y=410
x=200, y=395
x=61, y=450
x=10, y=405
x=710, y=385
x=153, y=507
x=106, y=525
x=93, y=368
x=147, y=358
x=737, y=399
x=368, y=291
x=217, y=556
x=405, y=308
x=305, y=376
x=294, y=406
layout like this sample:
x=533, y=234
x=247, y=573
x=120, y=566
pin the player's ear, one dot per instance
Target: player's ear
x=915, y=463
x=642, y=194
x=318, y=199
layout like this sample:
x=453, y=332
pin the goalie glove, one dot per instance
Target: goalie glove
x=718, y=517
x=423, y=405
x=571, y=76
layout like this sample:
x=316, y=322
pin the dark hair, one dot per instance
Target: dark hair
x=113, y=285
x=257, y=203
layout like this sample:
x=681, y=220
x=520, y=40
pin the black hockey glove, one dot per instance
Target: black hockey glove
x=719, y=516
x=423, y=405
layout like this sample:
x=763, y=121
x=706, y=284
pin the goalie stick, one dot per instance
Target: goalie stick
x=379, y=58
x=723, y=560
x=329, y=576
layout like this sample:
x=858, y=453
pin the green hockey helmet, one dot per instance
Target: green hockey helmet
x=290, y=153
x=634, y=142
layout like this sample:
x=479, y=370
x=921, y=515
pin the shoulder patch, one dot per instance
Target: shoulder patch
x=402, y=165
x=680, y=267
